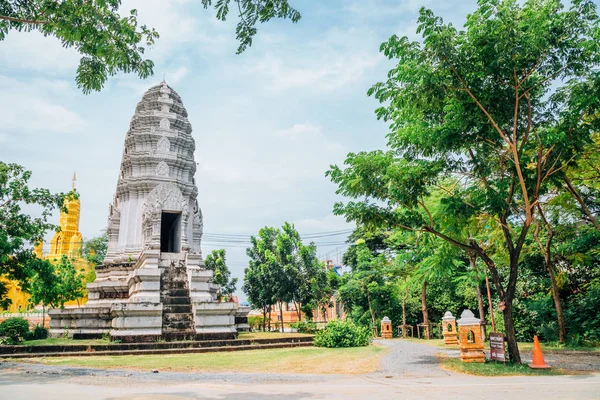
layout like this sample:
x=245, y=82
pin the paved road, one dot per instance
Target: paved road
x=409, y=359
x=408, y=371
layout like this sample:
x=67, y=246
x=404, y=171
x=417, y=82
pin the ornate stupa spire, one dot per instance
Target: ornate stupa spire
x=157, y=174
x=67, y=240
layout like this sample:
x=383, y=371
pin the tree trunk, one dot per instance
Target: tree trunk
x=506, y=297
x=43, y=315
x=281, y=314
x=404, y=311
x=371, y=308
x=264, y=321
x=298, y=312
x=511, y=337
x=481, y=312
x=547, y=250
x=562, y=332
x=426, y=334
x=269, y=318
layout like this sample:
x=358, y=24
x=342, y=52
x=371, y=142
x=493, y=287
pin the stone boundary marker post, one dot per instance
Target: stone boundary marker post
x=386, y=328
x=449, y=329
x=471, y=342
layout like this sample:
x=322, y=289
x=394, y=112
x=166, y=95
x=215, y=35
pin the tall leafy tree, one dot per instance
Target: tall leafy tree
x=259, y=281
x=111, y=43
x=52, y=285
x=94, y=249
x=19, y=231
x=503, y=106
x=216, y=262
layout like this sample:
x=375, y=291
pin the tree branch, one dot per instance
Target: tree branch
x=25, y=21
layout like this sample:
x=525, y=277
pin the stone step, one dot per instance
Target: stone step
x=178, y=326
x=175, y=292
x=173, y=285
x=181, y=300
x=176, y=317
x=176, y=308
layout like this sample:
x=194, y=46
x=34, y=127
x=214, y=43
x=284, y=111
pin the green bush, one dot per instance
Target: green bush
x=38, y=333
x=305, y=327
x=340, y=333
x=255, y=322
x=14, y=329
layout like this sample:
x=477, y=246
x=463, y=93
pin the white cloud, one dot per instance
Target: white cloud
x=328, y=223
x=327, y=74
x=32, y=51
x=287, y=156
x=33, y=107
x=177, y=75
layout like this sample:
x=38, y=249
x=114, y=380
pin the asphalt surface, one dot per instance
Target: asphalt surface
x=408, y=371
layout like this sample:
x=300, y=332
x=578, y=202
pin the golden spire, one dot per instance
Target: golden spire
x=74, y=179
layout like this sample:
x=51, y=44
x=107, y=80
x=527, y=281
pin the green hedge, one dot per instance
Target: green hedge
x=345, y=333
x=305, y=327
x=13, y=330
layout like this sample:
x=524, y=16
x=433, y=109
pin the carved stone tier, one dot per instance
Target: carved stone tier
x=136, y=319
x=215, y=318
x=80, y=323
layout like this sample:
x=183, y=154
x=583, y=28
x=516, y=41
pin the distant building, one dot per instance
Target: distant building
x=68, y=241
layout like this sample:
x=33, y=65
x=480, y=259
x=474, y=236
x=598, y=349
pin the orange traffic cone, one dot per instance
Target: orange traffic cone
x=538, y=357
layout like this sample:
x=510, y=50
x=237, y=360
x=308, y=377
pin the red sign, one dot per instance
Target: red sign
x=497, y=347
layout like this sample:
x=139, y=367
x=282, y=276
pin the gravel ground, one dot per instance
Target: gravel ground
x=408, y=359
x=42, y=371
x=573, y=361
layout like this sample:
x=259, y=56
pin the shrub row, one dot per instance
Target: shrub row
x=15, y=330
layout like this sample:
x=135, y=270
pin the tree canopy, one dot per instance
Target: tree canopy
x=19, y=231
x=502, y=108
x=216, y=262
x=110, y=42
x=282, y=269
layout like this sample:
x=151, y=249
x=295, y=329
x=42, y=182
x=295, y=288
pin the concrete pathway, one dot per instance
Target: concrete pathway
x=408, y=359
x=408, y=371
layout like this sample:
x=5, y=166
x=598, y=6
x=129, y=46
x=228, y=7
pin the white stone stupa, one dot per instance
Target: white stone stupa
x=152, y=284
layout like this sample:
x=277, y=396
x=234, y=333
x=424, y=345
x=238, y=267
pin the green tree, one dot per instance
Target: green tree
x=484, y=105
x=55, y=284
x=304, y=279
x=216, y=262
x=259, y=283
x=19, y=231
x=582, y=181
x=110, y=43
x=94, y=249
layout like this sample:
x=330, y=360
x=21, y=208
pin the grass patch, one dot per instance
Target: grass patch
x=65, y=341
x=313, y=360
x=493, y=368
x=523, y=346
x=268, y=335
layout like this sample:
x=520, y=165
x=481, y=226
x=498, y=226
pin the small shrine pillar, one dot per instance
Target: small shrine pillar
x=386, y=328
x=471, y=342
x=449, y=329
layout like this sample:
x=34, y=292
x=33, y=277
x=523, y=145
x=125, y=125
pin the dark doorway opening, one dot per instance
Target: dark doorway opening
x=170, y=232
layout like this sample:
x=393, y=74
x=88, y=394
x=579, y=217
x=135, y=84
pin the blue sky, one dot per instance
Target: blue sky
x=267, y=123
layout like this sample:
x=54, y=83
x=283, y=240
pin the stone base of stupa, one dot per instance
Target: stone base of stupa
x=80, y=323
